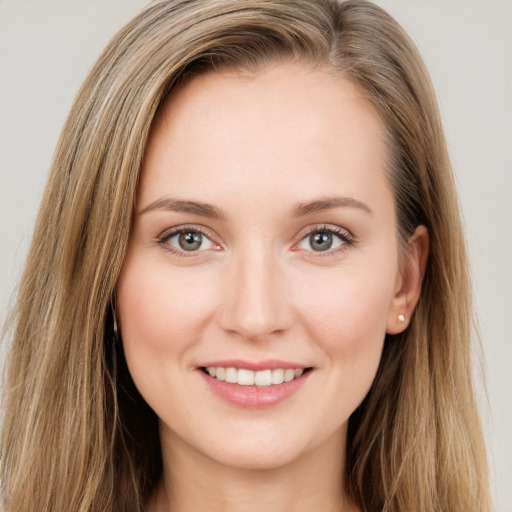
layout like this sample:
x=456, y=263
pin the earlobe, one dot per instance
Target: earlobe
x=411, y=279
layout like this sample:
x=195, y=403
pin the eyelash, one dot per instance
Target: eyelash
x=170, y=233
x=347, y=239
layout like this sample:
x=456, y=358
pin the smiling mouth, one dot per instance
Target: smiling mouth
x=260, y=378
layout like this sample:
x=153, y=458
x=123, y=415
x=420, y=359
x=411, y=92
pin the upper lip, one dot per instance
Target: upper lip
x=267, y=364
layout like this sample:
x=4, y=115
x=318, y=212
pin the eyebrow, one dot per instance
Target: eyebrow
x=329, y=203
x=176, y=205
x=210, y=211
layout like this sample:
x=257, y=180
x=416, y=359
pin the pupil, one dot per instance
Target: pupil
x=321, y=241
x=190, y=241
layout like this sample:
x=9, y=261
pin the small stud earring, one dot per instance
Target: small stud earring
x=401, y=318
x=115, y=325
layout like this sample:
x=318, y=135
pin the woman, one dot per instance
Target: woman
x=247, y=287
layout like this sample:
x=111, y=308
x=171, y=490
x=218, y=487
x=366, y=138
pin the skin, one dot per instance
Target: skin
x=256, y=147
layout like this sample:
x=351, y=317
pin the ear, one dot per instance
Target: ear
x=409, y=280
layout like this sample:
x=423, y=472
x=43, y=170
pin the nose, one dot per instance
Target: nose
x=256, y=304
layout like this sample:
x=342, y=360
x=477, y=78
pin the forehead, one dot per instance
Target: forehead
x=285, y=126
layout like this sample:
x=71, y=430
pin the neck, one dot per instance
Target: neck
x=194, y=482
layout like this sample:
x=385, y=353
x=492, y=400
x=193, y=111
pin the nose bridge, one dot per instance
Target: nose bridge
x=257, y=304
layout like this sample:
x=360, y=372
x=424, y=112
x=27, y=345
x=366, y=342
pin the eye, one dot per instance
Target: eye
x=325, y=239
x=186, y=240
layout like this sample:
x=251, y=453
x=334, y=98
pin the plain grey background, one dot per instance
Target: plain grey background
x=47, y=47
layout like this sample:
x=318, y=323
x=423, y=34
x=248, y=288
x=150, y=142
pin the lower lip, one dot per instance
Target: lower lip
x=253, y=397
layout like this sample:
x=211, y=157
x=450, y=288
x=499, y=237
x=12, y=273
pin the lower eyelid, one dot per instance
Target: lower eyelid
x=332, y=250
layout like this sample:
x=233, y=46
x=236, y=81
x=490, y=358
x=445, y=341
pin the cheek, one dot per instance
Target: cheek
x=347, y=319
x=161, y=318
x=157, y=307
x=348, y=307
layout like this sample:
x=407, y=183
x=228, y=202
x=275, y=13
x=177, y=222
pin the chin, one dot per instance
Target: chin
x=257, y=459
x=272, y=450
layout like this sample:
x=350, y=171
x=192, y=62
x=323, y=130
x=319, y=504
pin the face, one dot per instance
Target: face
x=264, y=252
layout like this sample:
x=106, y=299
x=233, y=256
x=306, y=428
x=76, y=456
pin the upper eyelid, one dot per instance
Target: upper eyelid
x=303, y=232
x=175, y=230
x=214, y=238
x=331, y=228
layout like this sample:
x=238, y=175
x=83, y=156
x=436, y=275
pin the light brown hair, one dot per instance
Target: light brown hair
x=76, y=434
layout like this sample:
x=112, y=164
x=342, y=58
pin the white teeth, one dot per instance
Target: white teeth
x=245, y=377
x=261, y=378
x=289, y=375
x=278, y=376
x=231, y=375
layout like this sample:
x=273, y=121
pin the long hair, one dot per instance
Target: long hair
x=76, y=434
